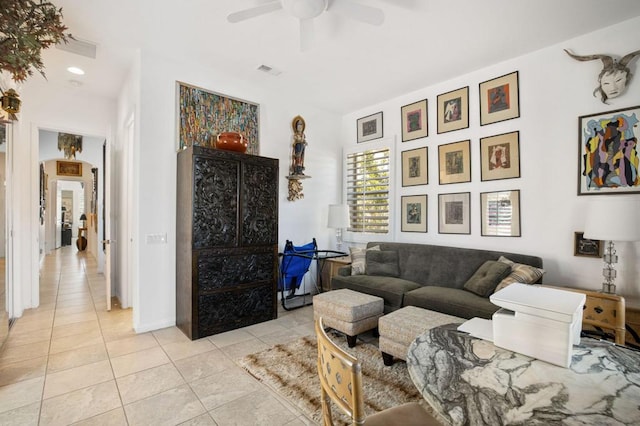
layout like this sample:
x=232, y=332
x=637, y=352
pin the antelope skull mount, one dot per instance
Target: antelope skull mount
x=615, y=75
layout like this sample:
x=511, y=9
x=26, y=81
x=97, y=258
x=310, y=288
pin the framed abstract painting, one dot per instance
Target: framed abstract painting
x=415, y=167
x=499, y=99
x=414, y=121
x=608, y=147
x=454, y=213
x=414, y=213
x=500, y=156
x=454, y=162
x=370, y=127
x=453, y=110
x=500, y=213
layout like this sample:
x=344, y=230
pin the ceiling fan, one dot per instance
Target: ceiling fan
x=306, y=10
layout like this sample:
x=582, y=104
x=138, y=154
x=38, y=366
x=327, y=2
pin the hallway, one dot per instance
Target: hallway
x=72, y=362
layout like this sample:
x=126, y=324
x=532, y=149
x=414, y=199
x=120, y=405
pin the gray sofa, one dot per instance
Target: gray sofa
x=430, y=277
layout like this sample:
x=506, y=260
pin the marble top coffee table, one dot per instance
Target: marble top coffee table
x=471, y=381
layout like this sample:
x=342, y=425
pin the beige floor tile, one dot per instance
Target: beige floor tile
x=20, y=394
x=224, y=387
x=62, y=304
x=267, y=327
x=146, y=383
x=138, y=361
x=22, y=370
x=202, y=420
x=245, y=348
x=168, y=408
x=23, y=352
x=77, y=378
x=74, y=309
x=170, y=335
x=75, y=341
x=283, y=336
x=203, y=365
x=22, y=325
x=179, y=350
x=80, y=404
x=73, y=318
x=23, y=416
x=76, y=328
x=110, y=418
x=28, y=337
x=76, y=357
x=131, y=344
x=230, y=338
x=258, y=408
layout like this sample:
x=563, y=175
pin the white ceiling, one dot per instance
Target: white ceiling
x=350, y=66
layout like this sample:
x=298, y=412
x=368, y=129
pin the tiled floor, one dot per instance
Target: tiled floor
x=72, y=362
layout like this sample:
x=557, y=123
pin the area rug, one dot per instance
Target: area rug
x=290, y=369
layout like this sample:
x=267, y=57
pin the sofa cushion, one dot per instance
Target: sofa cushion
x=520, y=273
x=382, y=263
x=487, y=277
x=451, y=301
x=358, y=259
x=391, y=289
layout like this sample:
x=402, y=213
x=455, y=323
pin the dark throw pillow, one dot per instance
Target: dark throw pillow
x=383, y=263
x=487, y=277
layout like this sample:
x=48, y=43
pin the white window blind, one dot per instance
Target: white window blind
x=368, y=191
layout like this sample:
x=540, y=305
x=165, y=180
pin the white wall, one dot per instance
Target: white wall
x=300, y=220
x=554, y=91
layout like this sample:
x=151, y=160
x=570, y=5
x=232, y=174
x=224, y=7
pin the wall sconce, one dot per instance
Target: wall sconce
x=10, y=102
x=338, y=219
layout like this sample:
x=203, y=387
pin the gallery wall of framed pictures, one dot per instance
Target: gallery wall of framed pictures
x=496, y=155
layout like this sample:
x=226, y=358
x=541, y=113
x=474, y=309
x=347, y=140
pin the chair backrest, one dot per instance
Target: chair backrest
x=604, y=310
x=340, y=379
x=295, y=263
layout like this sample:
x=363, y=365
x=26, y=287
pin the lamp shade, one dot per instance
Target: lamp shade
x=83, y=216
x=338, y=216
x=613, y=218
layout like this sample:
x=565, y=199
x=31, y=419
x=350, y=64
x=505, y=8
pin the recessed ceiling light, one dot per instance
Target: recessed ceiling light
x=75, y=70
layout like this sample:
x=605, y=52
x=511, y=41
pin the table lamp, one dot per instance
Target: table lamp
x=83, y=218
x=338, y=219
x=612, y=218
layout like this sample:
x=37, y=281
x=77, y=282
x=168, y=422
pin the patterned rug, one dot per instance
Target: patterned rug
x=290, y=369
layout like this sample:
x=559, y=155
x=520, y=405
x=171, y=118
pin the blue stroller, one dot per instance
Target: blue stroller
x=294, y=264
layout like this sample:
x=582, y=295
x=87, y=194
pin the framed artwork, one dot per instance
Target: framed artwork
x=454, y=213
x=370, y=127
x=414, y=213
x=500, y=211
x=608, y=152
x=415, y=167
x=453, y=110
x=500, y=156
x=414, y=121
x=586, y=247
x=499, y=99
x=454, y=162
x=69, y=168
x=203, y=114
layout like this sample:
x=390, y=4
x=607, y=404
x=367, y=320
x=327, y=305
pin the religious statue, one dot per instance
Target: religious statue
x=299, y=145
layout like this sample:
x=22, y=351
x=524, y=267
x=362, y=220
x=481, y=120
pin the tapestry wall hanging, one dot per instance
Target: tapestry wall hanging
x=609, y=161
x=203, y=114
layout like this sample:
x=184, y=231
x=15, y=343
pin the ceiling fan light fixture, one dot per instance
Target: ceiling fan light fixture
x=305, y=9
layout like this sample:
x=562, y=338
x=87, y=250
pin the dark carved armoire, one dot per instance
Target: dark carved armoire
x=226, y=240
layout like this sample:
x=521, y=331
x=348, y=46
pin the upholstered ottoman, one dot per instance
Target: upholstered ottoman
x=399, y=328
x=348, y=311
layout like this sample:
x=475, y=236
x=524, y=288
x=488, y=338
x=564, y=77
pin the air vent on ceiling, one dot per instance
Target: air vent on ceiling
x=79, y=47
x=269, y=70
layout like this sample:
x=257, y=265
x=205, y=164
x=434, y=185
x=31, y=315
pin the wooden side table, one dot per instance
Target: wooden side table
x=329, y=268
x=632, y=318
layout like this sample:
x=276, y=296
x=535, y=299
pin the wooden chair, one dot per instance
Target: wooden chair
x=341, y=382
x=603, y=311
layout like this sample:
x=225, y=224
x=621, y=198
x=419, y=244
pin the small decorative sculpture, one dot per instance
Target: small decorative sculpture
x=615, y=75
x=296, y=170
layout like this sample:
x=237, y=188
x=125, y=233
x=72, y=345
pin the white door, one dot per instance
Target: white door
x=106, y=243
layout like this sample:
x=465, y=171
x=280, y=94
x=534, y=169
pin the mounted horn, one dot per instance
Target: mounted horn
x=615, y=75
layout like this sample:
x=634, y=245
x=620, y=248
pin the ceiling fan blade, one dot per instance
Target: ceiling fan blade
x=254, y=11
x=359, y=12
x=306, y=34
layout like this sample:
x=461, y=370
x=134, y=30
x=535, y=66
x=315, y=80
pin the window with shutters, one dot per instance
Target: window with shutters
x=367, y=189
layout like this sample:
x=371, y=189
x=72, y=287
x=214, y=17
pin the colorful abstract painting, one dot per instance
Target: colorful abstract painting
x=609, y=159
x=203, y=115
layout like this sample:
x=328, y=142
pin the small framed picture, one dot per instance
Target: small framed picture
x=414, y=121
x=453, y=110
x=454, y=162
x=454, y=213
x=69, y=168
x=415, y=167
x=500, y=156
x=586, y=247
x=499, y=99
x=370, y=127
x=414, y=213
x=608, y=159
x=500, y=213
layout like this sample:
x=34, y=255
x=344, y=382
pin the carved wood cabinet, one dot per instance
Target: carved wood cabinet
x=226, y=240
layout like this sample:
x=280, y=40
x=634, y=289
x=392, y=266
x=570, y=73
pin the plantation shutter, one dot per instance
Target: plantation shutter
x=368, y=191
